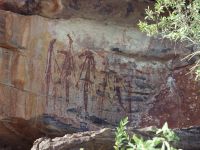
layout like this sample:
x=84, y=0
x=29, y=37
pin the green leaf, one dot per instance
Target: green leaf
x=163, y=147
x=156, y=141
x=167, y=145
x=136, y=139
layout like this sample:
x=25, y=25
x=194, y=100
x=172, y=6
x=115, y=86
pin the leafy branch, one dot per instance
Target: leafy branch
x=177, y=20
x=161, y=140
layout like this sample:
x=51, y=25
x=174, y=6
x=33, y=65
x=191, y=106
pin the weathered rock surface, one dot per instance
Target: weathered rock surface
x=87, y=74
x=121, y=12
x=93, y=140
x=19, y=134
x=104, y=139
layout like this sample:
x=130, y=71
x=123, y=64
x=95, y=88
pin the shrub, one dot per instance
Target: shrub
x=161, y=141
x=177, y=20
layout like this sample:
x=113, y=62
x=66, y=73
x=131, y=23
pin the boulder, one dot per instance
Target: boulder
x=105, y=139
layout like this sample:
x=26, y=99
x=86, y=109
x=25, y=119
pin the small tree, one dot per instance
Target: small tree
x=177, y=20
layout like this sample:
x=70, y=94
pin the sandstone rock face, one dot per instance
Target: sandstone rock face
x=85, y=74
x=117, y=11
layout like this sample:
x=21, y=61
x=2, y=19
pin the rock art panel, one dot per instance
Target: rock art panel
x=88, y=74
